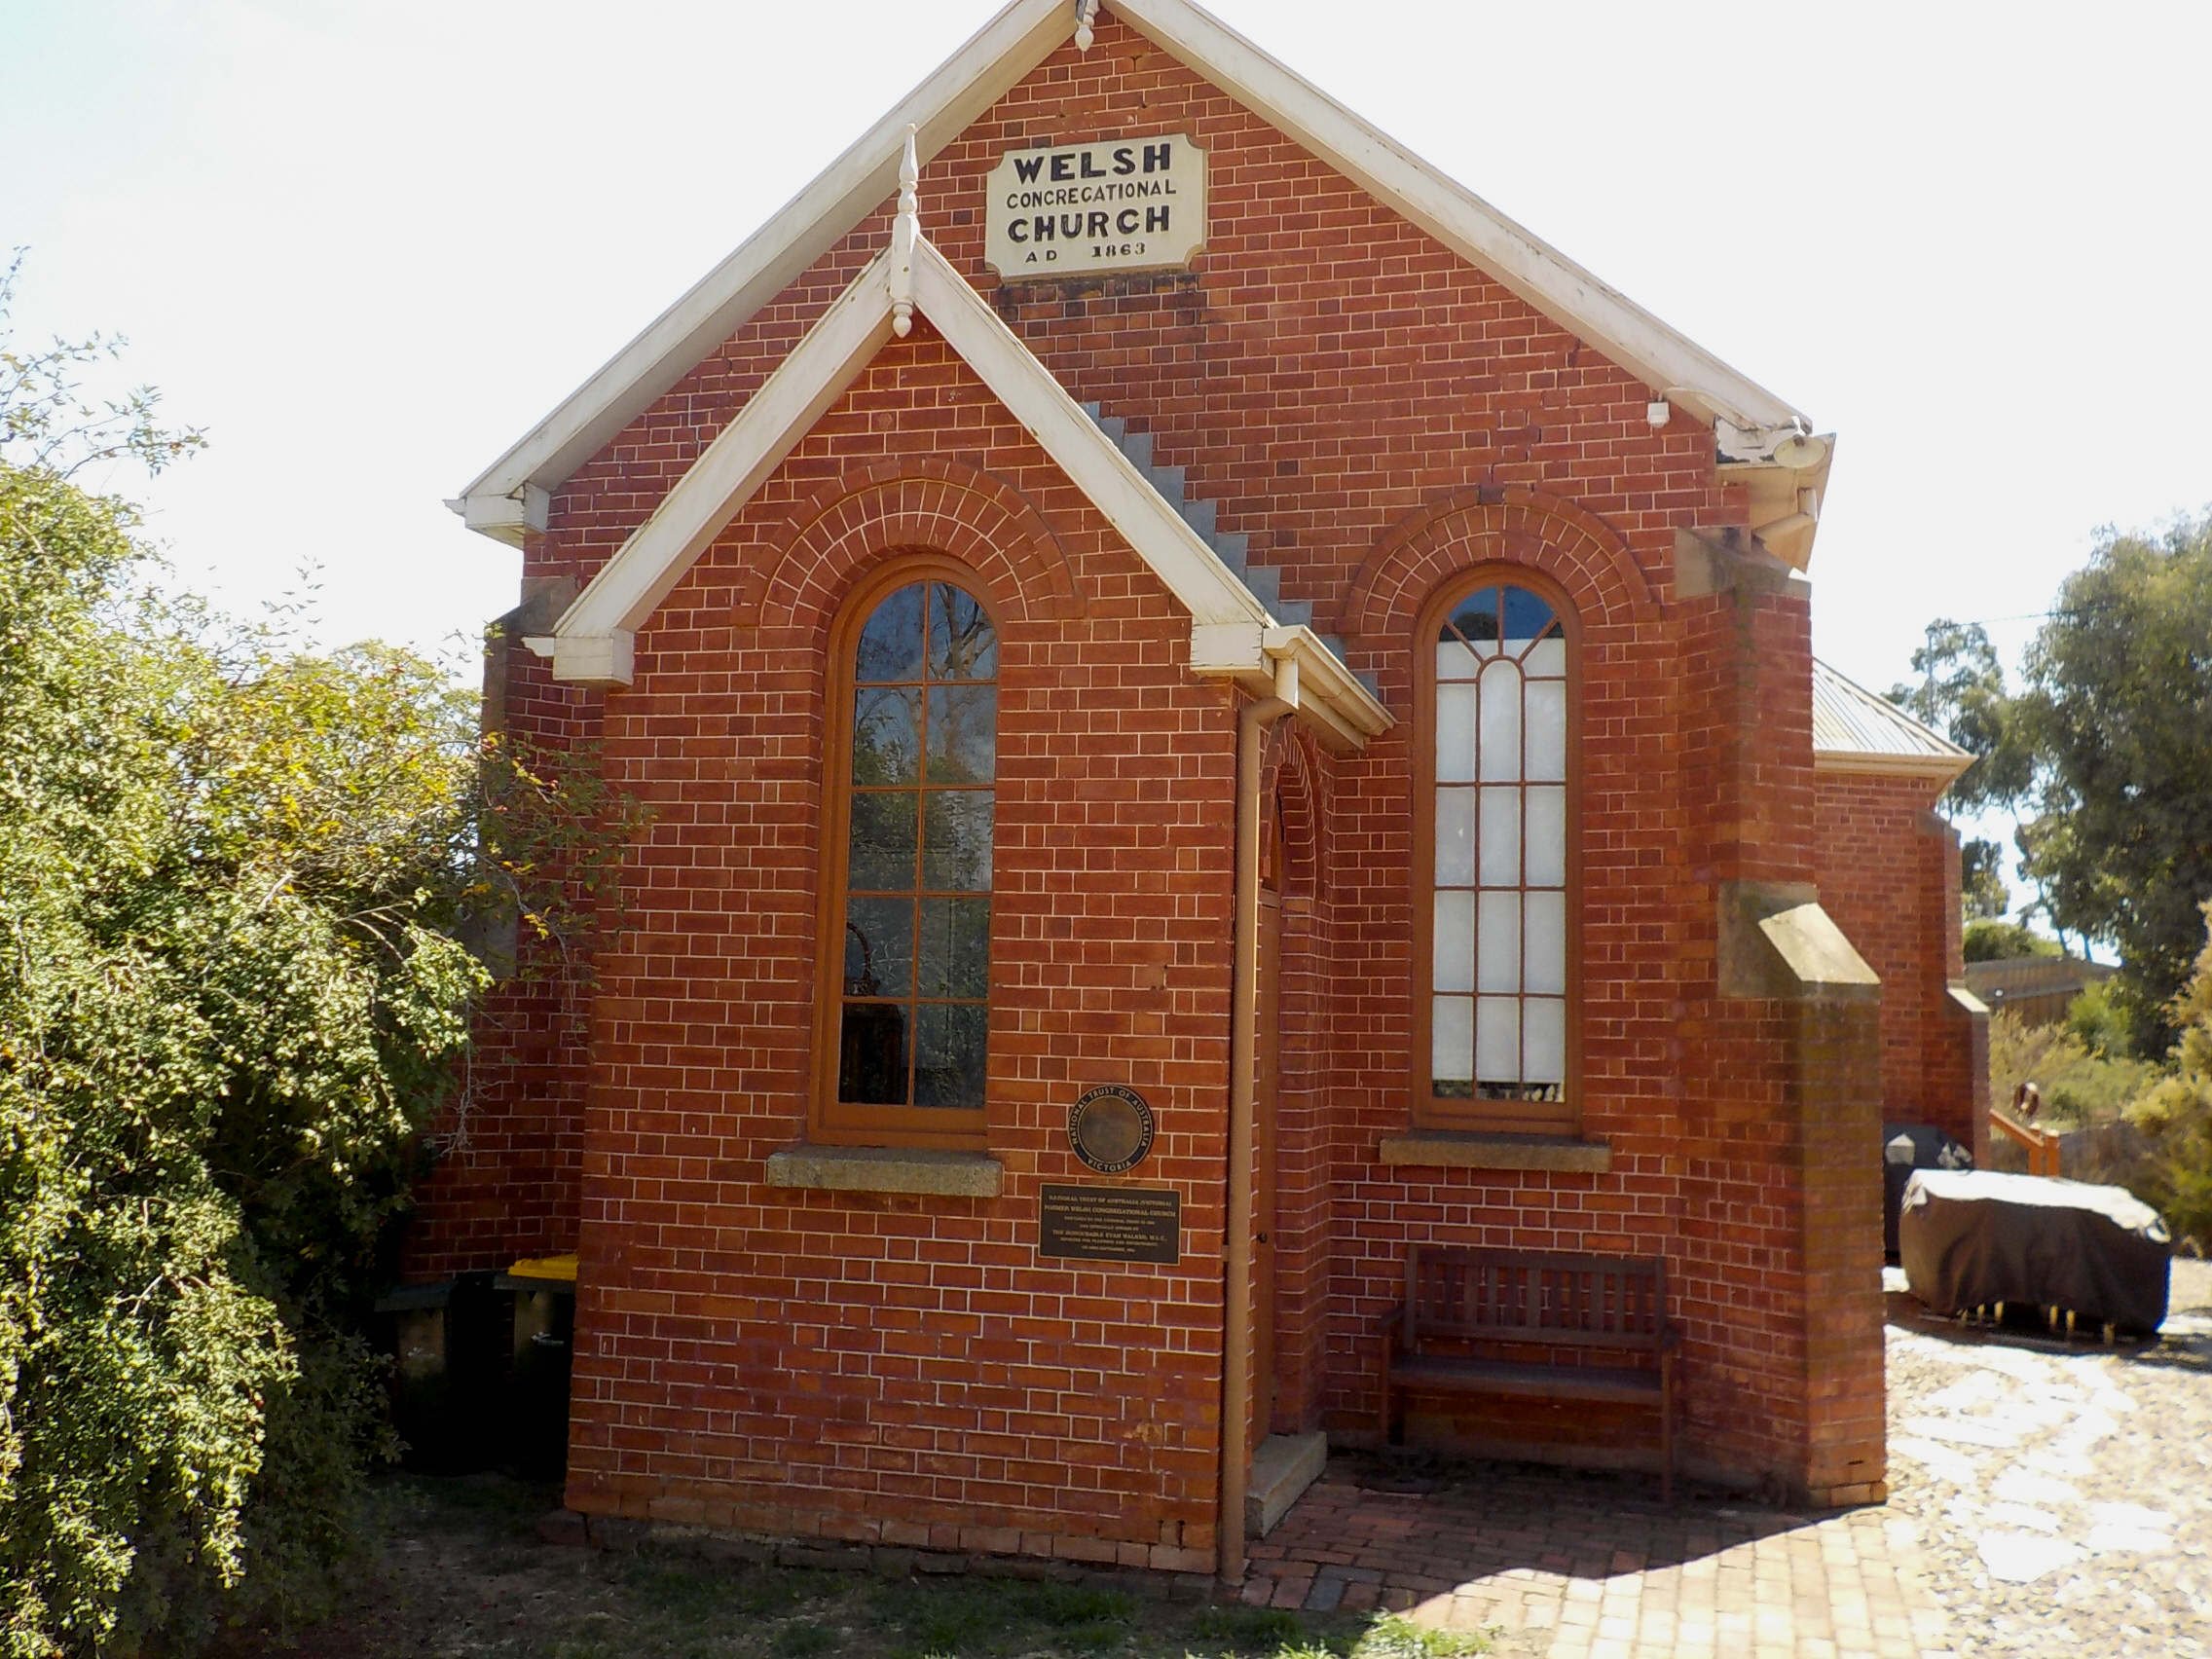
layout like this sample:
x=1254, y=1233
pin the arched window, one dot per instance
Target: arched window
x=907, y=831
x=1494, y=862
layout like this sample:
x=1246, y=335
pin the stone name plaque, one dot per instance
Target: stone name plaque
x=1111, y=1224
x=1127, y=205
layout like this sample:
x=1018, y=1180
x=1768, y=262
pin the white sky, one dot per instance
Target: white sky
x=368, y=245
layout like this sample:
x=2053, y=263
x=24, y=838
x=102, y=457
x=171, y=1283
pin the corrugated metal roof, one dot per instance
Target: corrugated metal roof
x=1850, y=723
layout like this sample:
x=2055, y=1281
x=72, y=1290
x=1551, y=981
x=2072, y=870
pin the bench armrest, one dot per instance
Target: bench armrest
x=1670, y=1339
x=1390, y=1324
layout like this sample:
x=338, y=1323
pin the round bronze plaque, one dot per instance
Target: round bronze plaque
x=1110, y=1128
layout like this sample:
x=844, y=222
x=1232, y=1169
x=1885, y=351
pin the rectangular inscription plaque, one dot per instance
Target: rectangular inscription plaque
x=1111, y=1224
x=1127, y=205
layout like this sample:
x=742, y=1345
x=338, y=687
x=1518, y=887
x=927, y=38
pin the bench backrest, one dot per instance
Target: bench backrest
x=1615, y=1302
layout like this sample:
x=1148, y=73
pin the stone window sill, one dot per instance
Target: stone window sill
x=1464, y=1149
x=887, y=1169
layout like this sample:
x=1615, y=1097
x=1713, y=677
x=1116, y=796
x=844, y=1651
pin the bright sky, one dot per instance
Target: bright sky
x=368, y=245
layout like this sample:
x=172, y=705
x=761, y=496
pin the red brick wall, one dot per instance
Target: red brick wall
x=1888, y=874
x=1376, y=416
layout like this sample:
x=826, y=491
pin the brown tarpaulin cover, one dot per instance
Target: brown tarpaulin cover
x=1968, y=1238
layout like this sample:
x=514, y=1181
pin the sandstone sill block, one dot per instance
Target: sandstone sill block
x=887, y=1169
x=1459, y=1149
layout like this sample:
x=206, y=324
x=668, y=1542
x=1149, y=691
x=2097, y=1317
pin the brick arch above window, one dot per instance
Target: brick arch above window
x=966, y=514
x=1295, y=783
x=1515, y=526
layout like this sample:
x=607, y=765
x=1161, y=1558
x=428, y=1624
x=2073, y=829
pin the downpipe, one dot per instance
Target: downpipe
x=1252, y=723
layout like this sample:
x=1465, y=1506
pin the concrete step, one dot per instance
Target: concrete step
x=1282, y=1468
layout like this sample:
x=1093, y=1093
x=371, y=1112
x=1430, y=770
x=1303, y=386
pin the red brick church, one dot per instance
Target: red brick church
x=1212, y=711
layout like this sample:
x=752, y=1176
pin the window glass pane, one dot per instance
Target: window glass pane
x=1452, y=1044
x=1543, y=1037
x=1547, y=729
x=1455, y=734
x=1547, y=835
x=1453, y=954
x=950, y=1044
x=1526, y=616
x=956, y=947
x=1454, y=661
x=962, y=643
x=1497, y=1039
x=1498, y=942
x=884, y=741
x=963, y=733
x=1546, y=964
x=872, y=1055
x=1546, y=659
x=882, y=846
x=891, y=642
x=1502, y=837
x=1454, y=837
x=1475, y=620
x=956, y=840
x=1500, y=722
x=879, y=948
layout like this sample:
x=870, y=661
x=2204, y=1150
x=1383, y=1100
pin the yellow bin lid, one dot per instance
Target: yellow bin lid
x=560, y=1268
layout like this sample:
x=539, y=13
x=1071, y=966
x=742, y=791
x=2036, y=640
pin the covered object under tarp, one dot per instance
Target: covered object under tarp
x=1969, y=1239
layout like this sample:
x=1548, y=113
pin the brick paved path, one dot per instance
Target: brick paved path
x=1591, y=1567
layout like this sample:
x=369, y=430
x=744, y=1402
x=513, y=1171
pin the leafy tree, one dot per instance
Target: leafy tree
x=2107, y=751
x=2176, y=1113
x=233, y=875
x=1982, y=893
x=1992, y=938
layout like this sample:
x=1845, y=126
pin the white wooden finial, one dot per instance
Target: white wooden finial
x=906, y=231
x=1085, y=15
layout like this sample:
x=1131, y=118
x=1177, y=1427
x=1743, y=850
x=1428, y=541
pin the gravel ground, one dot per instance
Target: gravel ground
x=2063, y=1492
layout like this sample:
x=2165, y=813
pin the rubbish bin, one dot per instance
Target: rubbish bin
x=1906, y=1147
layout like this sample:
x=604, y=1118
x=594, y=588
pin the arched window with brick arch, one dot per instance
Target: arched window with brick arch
x=1496, y=875
x=907, y=824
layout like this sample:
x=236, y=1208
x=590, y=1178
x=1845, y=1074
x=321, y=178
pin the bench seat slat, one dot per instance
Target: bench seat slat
x=1503, y=1376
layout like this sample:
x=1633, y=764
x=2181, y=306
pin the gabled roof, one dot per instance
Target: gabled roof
x=510, y=494
x=1856, y=732
x=1232, y=634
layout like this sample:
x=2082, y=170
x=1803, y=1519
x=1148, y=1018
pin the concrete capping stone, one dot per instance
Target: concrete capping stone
x=1466, y=1149
x=1777, y=943
x=887, y=1169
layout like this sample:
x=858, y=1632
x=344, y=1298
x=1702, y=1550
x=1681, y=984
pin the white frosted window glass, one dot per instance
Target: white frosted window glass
x=1454, y=952
x=1547, y=835
x=1455, y=734
x=1548, y=659
x=1454, y=661
x=1452, y=1040
x=1546, y=969
x=1500, y=722
x=1543, y=1037
x=1498, y=942
x=1456, y=838
x=1547, y=729
x=1497, y=1039
x=1502, y=837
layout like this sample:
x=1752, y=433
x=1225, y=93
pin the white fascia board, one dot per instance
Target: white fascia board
x=1323, y=678
x=727, y=472
x=968, y=83
x=1191, y=569
x=1668, y=361
x=1933, y=766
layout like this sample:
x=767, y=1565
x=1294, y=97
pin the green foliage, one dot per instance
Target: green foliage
x=1982, y=892
x=2107, y=749
x=233, y=875
x=2102, y=1023
x=2176, y=1113
x=1992, y=938
x=2079, y=1087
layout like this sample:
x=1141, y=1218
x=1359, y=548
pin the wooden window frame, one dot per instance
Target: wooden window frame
x=831, y=1122
x=1430, y=1110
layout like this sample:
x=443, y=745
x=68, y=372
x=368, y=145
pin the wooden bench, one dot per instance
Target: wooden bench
x=1566, y=1321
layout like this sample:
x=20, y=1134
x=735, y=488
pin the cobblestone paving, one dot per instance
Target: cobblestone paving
x=2045, y=1501
x=2064, y=1494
